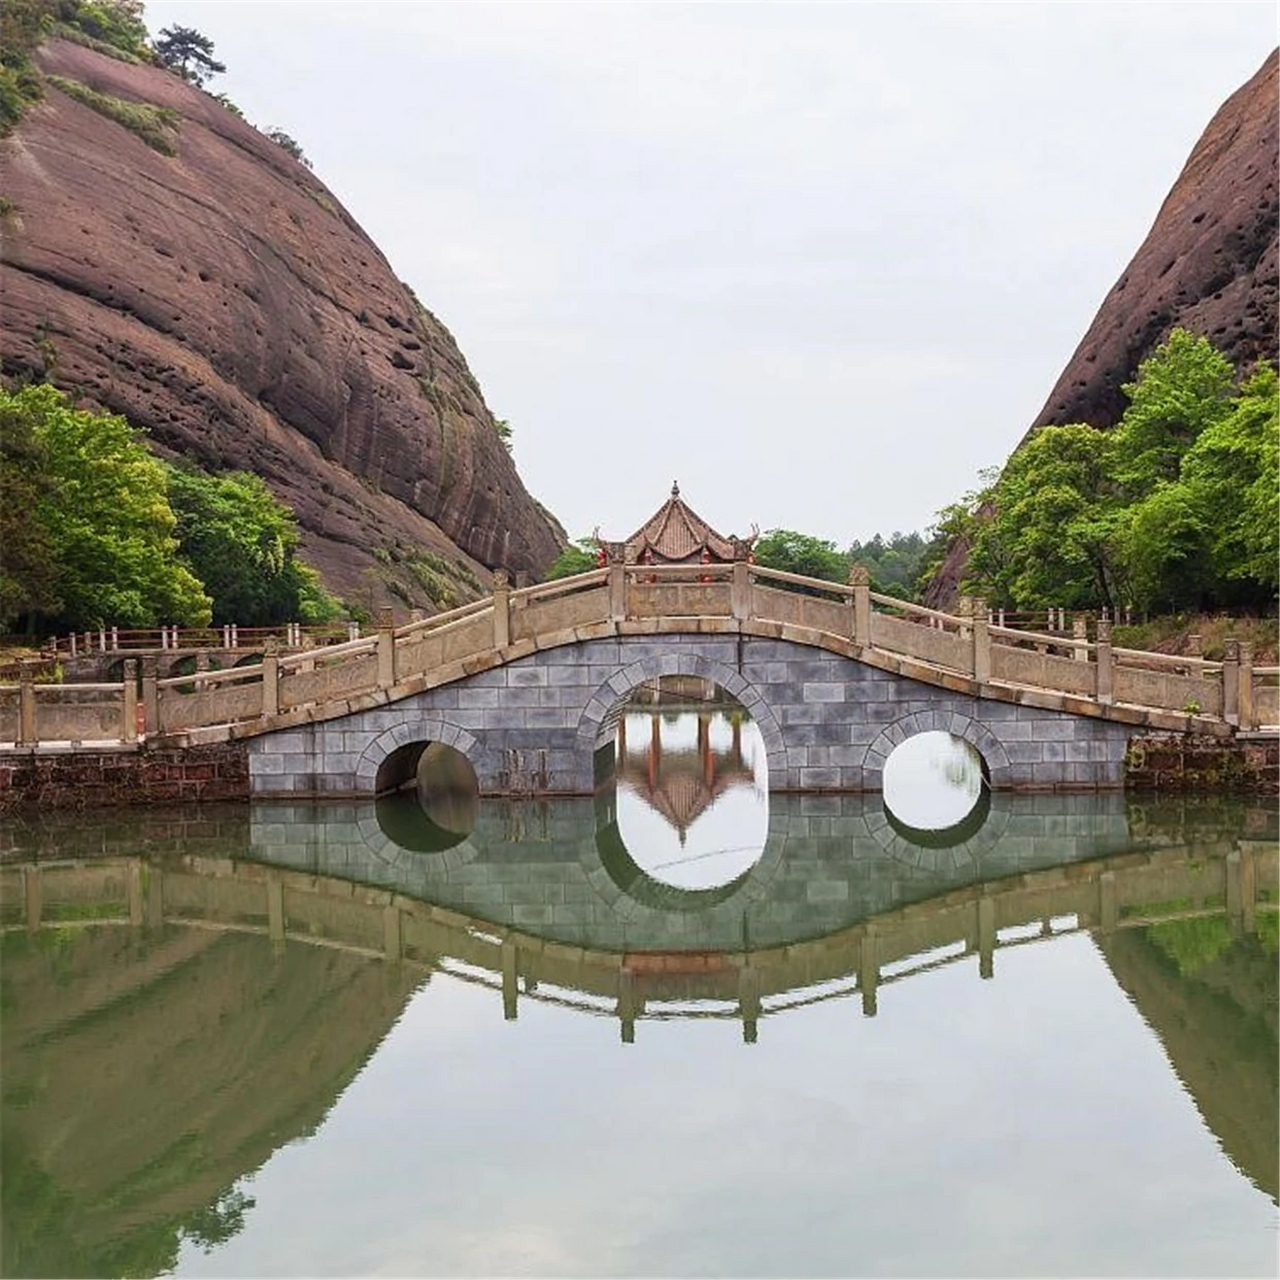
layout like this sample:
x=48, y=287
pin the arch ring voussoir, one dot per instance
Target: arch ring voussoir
x=419, y=728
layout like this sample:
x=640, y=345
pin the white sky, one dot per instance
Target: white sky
x=820, y=263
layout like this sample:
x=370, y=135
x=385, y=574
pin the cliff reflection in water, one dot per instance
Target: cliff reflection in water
x=172, y=1018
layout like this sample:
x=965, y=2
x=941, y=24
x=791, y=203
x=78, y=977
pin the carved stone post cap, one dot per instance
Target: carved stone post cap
x=978, y=605
x=1104, y=630
x=1195, y=645
x=270, y=647
x=131, y=669
x=859, y=575
x=386, y=619
x=1246, y=652
x=501, y=580
x=965, y=607
x=1231, y=649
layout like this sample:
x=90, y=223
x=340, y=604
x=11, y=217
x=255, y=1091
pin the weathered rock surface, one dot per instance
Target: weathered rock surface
x=1208, y=264
x=223, y=299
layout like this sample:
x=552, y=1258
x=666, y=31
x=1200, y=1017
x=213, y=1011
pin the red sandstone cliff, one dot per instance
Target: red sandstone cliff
x=1208, y=264
x=223, y=299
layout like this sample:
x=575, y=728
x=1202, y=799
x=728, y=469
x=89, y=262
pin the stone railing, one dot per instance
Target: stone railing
x=963, y=652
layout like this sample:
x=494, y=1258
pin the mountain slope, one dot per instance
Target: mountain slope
x=221, y=298
x=1208, y=264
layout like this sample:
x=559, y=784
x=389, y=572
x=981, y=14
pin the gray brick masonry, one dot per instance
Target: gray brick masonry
x=828, y=722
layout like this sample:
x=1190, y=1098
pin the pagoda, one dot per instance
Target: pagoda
x=676, y=534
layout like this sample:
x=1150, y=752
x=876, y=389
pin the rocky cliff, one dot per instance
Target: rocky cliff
x=179, y=267
x=1208, y=264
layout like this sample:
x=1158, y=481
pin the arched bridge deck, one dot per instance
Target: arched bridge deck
x=836, y=674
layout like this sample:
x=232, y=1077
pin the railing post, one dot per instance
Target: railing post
x=386, y=650
x=617, y=591
x=353, y=630
x=740, y=591
x=1105, y=686
x=1080, y=637
x=129, y=703
x=965, y=611
x=501, y=609
x=150, y=696
x=270, y=676
x=102, y=639
x=860, y=581
x=1245, y=698
x=115, y=639
x=981, y=642
x=1231, y=680
x=26, y=706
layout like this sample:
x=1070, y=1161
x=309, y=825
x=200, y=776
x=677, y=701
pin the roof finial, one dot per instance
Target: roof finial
x=675, y=488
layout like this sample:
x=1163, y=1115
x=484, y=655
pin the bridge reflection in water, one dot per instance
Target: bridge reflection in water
x=214, y=978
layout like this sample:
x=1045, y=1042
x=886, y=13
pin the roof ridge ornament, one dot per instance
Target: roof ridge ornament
x=675, y=488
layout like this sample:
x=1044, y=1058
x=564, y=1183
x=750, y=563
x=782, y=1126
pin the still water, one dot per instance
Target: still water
x=682, y=1029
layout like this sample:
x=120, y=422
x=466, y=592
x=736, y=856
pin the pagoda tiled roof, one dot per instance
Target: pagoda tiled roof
x=675, y=532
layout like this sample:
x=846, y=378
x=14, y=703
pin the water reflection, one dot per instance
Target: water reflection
x=690, y=784
x=934, y=782
x=171, y=1019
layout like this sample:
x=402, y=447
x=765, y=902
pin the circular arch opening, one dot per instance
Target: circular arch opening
x=683, y=785
x=428, y=797
x=937, y=789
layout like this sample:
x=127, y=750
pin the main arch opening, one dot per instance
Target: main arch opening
x=937, y=789
x=428, y=797
x=685, y=785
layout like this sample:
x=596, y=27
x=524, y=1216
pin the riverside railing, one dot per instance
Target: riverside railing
x=1087, y=672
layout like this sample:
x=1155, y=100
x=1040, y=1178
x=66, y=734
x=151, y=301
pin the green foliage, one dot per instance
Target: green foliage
x=577, y=557
x=187, y=52
x=283, y=140
x=1232, y=475
x=503, y=428
x=116, y=24
x=894, y=565
x=156, y=126
x=102, y=506
x=241, y=542
x=230, y=106
x=1175, y=508
x=1192, y=944
x=23, y=24
x=1047, y=540
x=28, y=571
x=792, y=552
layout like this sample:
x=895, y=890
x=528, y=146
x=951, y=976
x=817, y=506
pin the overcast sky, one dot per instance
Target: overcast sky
x=820, y=263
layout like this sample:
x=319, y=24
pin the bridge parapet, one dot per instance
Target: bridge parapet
x=964, y=653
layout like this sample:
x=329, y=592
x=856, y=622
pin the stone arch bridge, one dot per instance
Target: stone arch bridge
x=528, y=684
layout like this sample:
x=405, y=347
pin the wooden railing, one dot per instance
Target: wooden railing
x=922, y=643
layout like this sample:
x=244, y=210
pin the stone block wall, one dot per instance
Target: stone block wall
x=86, y=779
x=828, y=722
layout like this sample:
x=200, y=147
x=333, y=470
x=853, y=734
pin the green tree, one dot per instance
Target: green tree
x=116, y=22
x=190, y=54
x=1182, y=388
x=28, y=571
x=104, y=509
x=1048, y=539
x=283, y=140
x=1233, y=473
x=577, y=557
x=241, y=541
x=793, y=552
